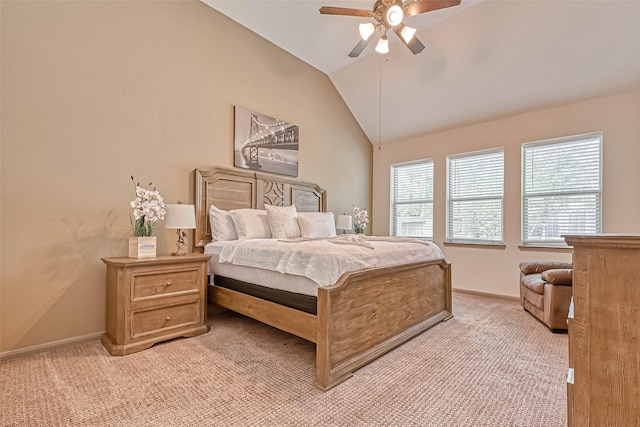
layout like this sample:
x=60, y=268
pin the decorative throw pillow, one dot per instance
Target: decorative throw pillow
x=251, y=223
x=283, y=221
x=222, y=227
x=317, y=224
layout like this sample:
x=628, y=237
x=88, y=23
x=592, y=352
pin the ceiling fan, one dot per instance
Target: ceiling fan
x=389, y=15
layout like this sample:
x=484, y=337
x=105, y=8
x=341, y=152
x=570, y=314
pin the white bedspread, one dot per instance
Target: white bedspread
x=324, y=261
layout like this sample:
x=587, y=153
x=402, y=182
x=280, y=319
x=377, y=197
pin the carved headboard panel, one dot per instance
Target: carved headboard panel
x=236, y=189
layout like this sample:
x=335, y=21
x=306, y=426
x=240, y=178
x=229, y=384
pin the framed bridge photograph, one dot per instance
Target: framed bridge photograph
x=265, y=143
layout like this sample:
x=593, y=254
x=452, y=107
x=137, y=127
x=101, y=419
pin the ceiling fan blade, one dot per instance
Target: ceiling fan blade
x=329, y=10
x=414, y=45
x=418, y=7
x=362, y=44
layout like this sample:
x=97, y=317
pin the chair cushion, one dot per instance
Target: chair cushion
x=533, y=282
x=539, y=267
x=558, y=276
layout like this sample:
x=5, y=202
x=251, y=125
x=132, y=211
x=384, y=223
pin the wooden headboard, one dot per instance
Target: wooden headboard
x=236, y=189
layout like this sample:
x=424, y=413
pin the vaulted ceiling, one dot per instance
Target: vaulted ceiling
x=483, y=59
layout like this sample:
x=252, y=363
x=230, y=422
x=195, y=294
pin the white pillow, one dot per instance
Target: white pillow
x=251, y=223
x=222, y=227
x=283, y=221
x=316, y=224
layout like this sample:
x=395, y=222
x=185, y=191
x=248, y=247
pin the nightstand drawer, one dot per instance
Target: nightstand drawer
x=162, y=284
x=163, y=319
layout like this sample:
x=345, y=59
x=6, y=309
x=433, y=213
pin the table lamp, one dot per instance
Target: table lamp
x=180, y=217
x=344, y=223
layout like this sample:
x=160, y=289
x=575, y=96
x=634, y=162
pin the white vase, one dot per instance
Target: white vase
x=142, y=247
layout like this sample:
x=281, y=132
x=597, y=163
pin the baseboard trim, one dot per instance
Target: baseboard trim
x=12, y=354
x=486, y=294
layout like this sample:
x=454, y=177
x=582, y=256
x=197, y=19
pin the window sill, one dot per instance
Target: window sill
x=424, y=239
x=545, y=248
x=483, y=245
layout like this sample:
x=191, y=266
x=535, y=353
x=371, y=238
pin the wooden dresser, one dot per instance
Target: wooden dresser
x=154, y=299
x=603, y=384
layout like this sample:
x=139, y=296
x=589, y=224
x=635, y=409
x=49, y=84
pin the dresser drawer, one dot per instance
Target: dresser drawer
x=161, y=284
x=163, y=319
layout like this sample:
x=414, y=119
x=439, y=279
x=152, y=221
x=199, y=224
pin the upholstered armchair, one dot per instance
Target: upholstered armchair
x=545, y=292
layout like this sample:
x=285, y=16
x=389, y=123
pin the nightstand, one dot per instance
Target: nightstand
x=154, y=299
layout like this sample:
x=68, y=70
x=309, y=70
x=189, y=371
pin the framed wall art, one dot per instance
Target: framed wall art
x=265, y=143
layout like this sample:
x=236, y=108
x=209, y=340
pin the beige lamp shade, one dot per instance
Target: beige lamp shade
x=180, y=216
x=344, y=222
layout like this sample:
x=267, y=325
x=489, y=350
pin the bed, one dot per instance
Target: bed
x=362, y=316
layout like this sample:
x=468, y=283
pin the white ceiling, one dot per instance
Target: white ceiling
x=483, y=59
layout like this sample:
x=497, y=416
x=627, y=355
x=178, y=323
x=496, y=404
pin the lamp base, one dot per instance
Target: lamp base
x=181, y=243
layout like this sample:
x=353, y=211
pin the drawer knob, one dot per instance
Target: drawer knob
x=168, y=318
x=168, y=284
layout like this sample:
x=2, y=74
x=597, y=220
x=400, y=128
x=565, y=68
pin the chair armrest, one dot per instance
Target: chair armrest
x=558, y=276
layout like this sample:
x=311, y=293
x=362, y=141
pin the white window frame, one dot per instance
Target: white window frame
x=451, y=200
x=558, y=241
x=428, y=200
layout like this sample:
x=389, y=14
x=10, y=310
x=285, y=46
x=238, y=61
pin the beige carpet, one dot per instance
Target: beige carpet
x=491, y=365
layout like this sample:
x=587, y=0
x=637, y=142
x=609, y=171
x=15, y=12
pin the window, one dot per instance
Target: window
x=412, y=199
x=475, y=193
x=561, y=188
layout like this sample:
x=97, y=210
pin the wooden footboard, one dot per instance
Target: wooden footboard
x=363, y=316
x=368, y=313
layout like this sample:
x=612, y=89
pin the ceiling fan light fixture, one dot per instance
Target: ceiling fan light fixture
x=366, y=30
x=407, y=33
x=389, y=15
x=383, y=45
x=394, y=15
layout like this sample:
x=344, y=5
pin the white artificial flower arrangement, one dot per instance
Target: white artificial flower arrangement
x=148, y=207
x=360, y=219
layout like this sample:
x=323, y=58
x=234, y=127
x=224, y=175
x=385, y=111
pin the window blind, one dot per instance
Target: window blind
x=475, y=193
x=412, y=199
x=561, y=188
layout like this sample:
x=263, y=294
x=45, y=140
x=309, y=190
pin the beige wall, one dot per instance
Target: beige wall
x=93, y=92
x=495, y=270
